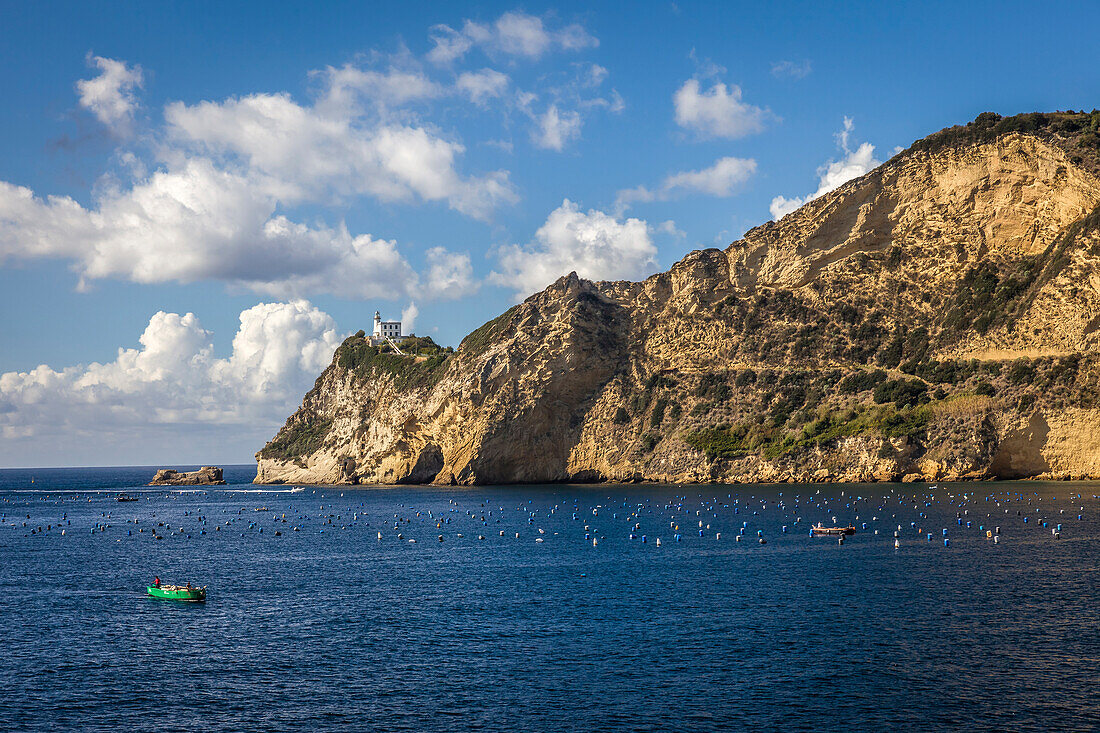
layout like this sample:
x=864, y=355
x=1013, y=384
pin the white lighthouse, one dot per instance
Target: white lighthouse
x=385, y=330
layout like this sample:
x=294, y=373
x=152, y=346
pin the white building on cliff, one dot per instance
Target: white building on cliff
x=385, y=331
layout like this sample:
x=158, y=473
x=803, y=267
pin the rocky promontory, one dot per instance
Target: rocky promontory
x=205, y=476
x=935, y=319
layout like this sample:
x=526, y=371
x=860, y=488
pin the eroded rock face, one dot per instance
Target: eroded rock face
x=935, y=319
x=205, y=476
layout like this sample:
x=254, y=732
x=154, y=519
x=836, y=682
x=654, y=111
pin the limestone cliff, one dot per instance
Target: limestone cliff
x=935, y=319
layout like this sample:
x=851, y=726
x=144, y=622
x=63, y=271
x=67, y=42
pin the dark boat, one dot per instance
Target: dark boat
x=124, y=497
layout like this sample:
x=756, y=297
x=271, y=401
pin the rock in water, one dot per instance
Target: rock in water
x=932, y=320
x=205, y=476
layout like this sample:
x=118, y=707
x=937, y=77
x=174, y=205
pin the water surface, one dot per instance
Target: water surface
x=328, y=627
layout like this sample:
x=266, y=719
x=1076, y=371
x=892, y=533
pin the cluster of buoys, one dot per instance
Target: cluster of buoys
x=641, y=521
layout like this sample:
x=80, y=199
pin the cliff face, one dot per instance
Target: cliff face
x=934, y=319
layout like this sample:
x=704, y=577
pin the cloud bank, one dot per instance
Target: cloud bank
x=229, y=190
x=171, y=385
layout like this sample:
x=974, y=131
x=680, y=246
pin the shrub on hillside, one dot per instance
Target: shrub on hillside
x=902, y=392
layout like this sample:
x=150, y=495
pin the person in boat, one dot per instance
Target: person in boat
x=156, y=582
x=189, y=585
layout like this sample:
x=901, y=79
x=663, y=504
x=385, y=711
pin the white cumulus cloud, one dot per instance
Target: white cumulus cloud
x=171, y=385
x=513, y=33
x=721, y=179
x=833, y=173
x=349, y=85
x=554, y=129
x=481, y=86
x=304, y=153
x=111, y=95
x=449, y=274
x=717, y=112
x=213, y=206
x=596, y=245
x=408, y=318
x=200, y=223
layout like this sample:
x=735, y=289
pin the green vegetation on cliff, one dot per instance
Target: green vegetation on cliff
x=298, y=438
x=745, y=439
x=1078, y=133
x=420, y=366
x=484, y=336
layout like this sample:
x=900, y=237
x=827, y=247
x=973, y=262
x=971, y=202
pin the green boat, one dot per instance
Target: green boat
x=178, y=592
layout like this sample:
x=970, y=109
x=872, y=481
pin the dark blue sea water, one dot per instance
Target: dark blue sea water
x=324, y=626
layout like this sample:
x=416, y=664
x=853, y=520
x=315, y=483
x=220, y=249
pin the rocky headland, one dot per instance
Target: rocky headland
x=936, y=319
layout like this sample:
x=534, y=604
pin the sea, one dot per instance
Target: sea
x=559, y=607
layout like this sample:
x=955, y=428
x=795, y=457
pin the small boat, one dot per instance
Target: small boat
x=820, y=531
x=178, y=592
x=124, y=497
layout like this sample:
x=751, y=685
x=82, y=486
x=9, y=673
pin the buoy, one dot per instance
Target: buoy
x=658, y=542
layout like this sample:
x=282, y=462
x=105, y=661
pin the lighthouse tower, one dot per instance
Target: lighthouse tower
x=384, y=330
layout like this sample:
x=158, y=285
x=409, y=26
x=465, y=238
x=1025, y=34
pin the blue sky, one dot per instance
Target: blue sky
x=222, y=195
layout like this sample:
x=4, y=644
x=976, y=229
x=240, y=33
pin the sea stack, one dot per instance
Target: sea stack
x=205, y=476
